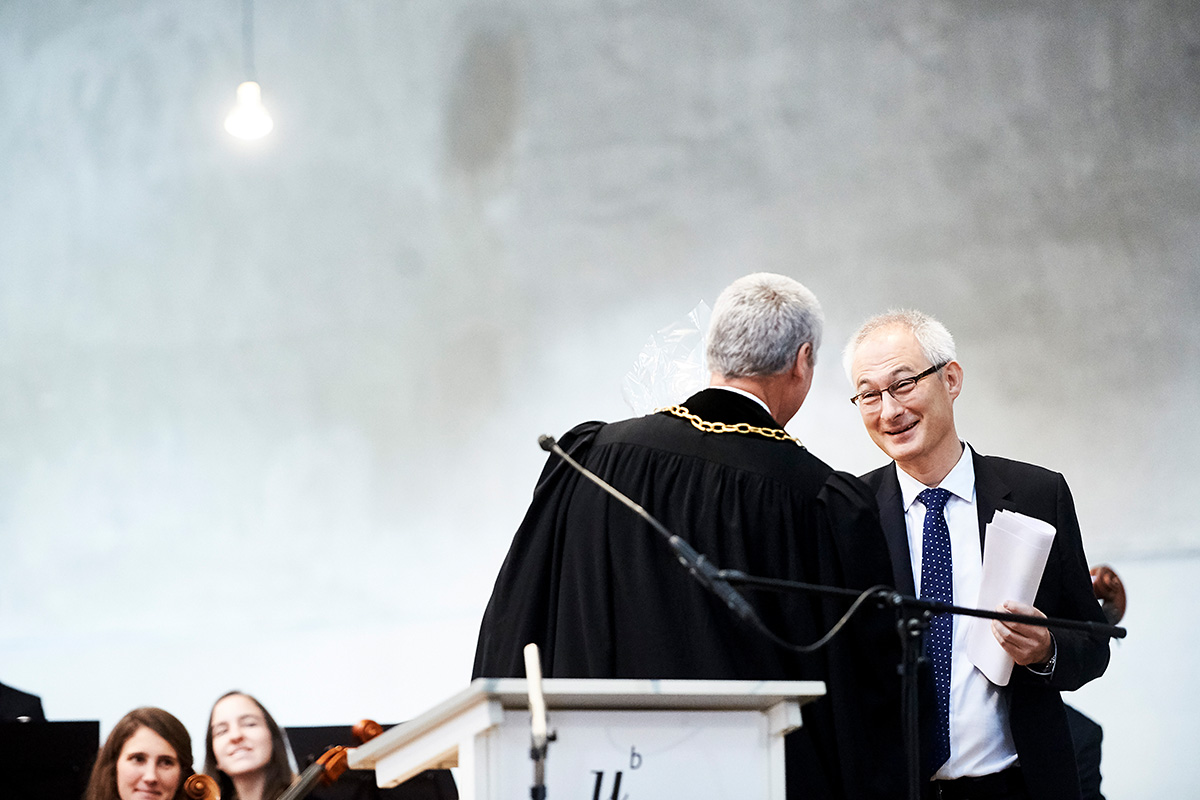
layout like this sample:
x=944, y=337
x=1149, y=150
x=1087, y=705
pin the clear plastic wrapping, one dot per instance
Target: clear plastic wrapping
x=672, y=366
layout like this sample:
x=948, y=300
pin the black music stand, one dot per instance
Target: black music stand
x=47, y=760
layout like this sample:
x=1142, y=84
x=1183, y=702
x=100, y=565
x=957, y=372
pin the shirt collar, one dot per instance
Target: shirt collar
x=960, y=481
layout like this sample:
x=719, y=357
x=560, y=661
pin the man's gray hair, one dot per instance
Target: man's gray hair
x=759, y=323
x=935, y=341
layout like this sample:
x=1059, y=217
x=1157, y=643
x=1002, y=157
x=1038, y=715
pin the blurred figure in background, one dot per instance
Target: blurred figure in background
x=245, y=750
x=18, y=706
x=1085, y=731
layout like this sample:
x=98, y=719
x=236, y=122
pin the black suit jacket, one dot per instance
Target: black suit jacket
x=1038, y=721
x=14, y=703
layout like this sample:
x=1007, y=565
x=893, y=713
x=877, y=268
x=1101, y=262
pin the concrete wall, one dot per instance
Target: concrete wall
x=269, y=406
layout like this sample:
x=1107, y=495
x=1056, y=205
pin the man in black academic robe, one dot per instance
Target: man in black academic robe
x=598, y=590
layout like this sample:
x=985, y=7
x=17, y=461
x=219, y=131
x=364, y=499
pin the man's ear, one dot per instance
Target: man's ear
x=804, y=359
x=953, y=373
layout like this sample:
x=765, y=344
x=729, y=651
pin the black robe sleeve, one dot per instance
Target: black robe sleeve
x=524, y=600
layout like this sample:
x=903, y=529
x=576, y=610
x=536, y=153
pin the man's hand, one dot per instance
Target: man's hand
x=1027, y=644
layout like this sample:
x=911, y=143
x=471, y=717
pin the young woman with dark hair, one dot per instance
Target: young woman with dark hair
x=147, y=756
x=244, y=749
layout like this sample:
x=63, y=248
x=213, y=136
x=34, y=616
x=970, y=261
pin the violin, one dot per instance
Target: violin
x=332, y=763
x=202, y=787
x=1109, y=590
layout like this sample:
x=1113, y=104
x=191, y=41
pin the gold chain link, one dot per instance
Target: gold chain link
x=722, y=427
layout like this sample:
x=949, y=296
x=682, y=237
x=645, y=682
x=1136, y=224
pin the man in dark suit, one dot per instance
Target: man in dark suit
x=18, y=705
x=936, y=498
x=602, y=596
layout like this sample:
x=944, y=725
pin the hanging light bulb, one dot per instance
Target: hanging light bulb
x=249, y=118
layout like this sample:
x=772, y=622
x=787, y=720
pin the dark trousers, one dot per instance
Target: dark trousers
x=1006, y=785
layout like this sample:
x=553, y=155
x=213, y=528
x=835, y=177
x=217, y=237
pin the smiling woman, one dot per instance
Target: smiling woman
x=147, y=756
x=245, y=750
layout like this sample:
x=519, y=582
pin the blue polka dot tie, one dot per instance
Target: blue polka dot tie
x=937, y=583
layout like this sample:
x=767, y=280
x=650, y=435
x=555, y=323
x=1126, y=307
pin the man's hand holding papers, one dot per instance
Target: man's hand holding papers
x=1014, y=554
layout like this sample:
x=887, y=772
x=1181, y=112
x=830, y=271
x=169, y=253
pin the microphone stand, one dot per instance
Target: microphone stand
x=540, y=737
x=913, y=615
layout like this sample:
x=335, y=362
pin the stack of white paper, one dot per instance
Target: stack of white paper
x=1014, y=554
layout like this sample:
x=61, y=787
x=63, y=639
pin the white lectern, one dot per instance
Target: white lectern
x=615, y=739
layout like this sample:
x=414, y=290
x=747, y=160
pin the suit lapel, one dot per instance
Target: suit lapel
x=991, y=493
x=895, y=531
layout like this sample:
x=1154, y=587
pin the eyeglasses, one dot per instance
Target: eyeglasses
x=898, y=390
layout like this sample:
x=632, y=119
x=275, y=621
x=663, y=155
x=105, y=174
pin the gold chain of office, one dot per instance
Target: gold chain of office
x=723, y=427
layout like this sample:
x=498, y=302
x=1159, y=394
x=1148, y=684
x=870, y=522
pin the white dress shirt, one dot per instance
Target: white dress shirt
x=980, y=738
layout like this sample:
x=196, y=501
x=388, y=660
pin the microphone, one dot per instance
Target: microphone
x=539, y=737
x=700, y=567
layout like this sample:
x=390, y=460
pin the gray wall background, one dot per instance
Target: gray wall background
x=269, y=411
